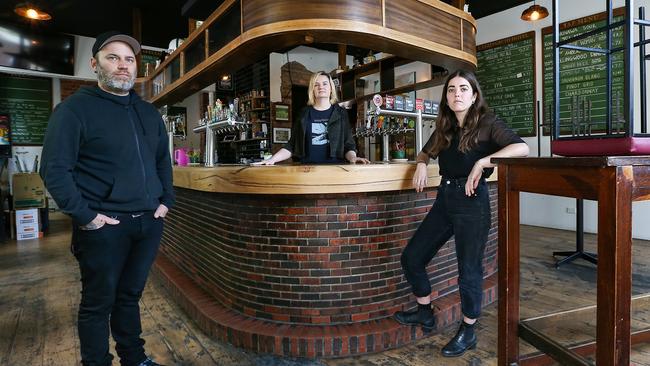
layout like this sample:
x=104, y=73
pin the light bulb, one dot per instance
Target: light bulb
x=32, y=14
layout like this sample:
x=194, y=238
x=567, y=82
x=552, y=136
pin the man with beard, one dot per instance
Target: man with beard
x=106, y=164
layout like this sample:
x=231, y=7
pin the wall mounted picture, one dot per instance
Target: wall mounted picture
x=178, y=116
x=281, y=112
x=281, y=135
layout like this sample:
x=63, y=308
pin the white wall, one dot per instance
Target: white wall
x=543, y=210
x=82, y=54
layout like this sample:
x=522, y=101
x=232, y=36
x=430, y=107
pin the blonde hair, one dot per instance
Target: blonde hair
x=312, y=81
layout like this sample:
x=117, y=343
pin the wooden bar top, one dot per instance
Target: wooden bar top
x=303, y=179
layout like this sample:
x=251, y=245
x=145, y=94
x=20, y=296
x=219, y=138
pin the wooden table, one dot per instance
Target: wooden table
x=615, y=182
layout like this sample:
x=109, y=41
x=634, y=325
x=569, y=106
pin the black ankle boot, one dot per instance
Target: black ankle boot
x=465, y=339
x=421, y=316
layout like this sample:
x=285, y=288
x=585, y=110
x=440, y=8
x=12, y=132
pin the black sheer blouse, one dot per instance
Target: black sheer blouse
x=493, y=135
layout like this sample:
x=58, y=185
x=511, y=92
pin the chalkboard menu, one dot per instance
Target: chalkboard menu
x=583, y=77
x=506, y=72
x=28, y=101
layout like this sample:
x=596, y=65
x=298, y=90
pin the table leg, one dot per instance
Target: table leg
x=508, y=343
x=580, y=240
x=614, y=266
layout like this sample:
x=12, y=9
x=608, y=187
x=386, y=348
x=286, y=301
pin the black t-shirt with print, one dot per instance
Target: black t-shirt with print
x=317, y=144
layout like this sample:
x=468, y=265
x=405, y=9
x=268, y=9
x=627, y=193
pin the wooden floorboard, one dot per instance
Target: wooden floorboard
x=40, y=291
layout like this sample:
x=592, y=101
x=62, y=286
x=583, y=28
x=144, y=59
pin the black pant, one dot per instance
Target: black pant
x=468, y=220
x=114, y=261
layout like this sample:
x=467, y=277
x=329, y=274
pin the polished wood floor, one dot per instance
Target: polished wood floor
x=39, y=293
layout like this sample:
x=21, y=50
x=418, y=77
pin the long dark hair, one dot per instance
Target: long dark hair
x=447, y=123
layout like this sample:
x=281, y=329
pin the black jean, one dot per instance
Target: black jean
x=114, y=261
x=468, y=220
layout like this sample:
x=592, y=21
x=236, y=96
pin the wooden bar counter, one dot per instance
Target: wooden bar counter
x=304, y=260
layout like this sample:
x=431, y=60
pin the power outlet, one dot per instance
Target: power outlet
x=571, y=210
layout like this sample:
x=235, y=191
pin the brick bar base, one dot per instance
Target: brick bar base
x=309, y=341
x=314, y=275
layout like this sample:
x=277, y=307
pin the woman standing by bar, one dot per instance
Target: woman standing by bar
x=322, y=134
x=465, y=138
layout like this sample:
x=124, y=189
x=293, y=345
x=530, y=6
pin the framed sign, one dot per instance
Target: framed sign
x=281, y=112
x=281, y=135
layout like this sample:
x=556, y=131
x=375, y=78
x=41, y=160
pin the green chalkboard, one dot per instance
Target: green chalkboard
x=28, y=101
x=506, y=72
x=583, y=77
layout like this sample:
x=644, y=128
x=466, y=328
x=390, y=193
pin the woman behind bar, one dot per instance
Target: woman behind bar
x=322, y=134
x=465, y=138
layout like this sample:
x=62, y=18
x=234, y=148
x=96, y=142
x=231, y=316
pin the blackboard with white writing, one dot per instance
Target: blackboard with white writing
x=506, y=72
x=28, y=102
x=583, y=77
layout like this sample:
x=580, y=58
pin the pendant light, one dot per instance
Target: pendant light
x=534, y=12
x=30, y=11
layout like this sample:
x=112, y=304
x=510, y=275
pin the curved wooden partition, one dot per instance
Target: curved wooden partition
x=421, y=30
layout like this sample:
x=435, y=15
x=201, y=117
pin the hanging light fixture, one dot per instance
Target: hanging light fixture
x=534, y=12
x=31, y=11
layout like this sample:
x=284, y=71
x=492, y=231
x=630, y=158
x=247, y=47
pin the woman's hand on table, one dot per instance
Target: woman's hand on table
x=359, y=160
x=264, y=162
x=420, y=177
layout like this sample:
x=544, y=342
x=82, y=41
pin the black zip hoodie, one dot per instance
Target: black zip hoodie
x=105, y=153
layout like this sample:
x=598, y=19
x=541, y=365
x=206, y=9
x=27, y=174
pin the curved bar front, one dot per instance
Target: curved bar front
x=302, y=260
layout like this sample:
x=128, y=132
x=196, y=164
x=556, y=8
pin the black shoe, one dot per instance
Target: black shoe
x=416, y=317
x=465, y=339
x=149, y=362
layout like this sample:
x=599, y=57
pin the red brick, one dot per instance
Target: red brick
x=357, y=224
x=348, y=217
x=328, y=234
x=316, y=210
x=308, y=234
x=339, y=241
x=359, y=317
x=321, y=320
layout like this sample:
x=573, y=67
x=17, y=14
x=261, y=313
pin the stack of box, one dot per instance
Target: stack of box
x=28, y=196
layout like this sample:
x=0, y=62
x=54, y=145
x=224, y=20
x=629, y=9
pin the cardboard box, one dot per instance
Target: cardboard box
x=28, y=232
x=26, y=217
x=27, y=226
x=28, y=190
